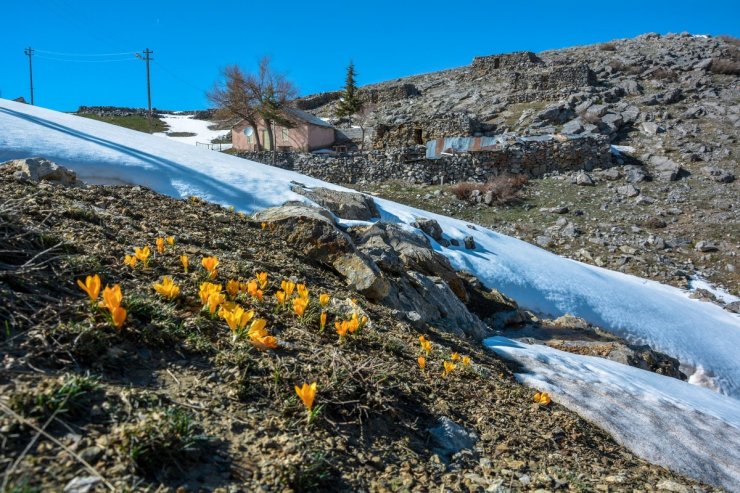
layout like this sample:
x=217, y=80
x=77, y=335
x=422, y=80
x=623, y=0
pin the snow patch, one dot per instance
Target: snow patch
x=698, y=282
x=187, y=123
x=690, y=430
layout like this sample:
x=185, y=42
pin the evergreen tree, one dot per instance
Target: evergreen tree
x=351, y=103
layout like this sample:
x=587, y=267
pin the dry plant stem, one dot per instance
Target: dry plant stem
x=11, y=468
x=82, y=461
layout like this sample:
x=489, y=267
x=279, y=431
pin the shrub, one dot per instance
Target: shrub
x=664, y=74
x=505, y=189
x=619, y=66
x=725, y=66
x=608, y=46
x=729, y=39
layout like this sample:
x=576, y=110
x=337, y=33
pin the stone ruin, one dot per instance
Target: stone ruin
x=419, y=133
x=520, y=60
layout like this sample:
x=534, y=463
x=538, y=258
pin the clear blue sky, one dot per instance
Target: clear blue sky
x=311, y=41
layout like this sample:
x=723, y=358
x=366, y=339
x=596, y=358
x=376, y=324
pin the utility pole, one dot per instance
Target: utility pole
x=147, y=59
x=29, y=51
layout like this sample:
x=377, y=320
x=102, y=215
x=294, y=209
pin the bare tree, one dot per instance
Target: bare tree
x=253, y=97
x=233, y=99
x=271, y=92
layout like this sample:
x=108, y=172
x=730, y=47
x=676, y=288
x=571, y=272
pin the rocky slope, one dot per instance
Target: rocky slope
x=172, y=401
x=666, y=210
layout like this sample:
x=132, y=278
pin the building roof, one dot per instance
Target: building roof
x=307, y=117
x=299, y=115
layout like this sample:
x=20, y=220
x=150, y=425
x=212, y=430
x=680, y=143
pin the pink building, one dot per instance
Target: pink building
x=308, y=133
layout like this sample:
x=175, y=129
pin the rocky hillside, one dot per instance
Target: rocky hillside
x=172, y=395
x=666, y=208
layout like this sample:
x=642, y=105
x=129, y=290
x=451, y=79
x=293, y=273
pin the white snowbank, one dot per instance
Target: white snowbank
x=698, y=282
x=701, y=335
x=690, y=430
x=186, y=123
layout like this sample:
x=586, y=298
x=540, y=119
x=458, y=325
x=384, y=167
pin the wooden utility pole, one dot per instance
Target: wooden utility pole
x=29, y=51
x=147, y=59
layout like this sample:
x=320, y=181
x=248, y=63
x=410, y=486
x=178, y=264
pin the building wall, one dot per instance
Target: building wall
x=302, y=137
x=319, y=137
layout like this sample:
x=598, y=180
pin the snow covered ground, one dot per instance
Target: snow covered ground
x=698, y=282
x=691, y=430
x=186, y=123
x=705, y=338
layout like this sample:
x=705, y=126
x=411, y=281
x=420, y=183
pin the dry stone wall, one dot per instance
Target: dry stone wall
x=533, y=158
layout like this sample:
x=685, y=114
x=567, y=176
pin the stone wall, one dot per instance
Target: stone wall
x=570, y=77
x=414, y=133
x=113, y=111
x=521, y=60
x=389, y=93
x=317, y=100
x=533, y=158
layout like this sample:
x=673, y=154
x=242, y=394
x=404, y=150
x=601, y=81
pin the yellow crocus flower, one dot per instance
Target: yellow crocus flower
x=91, y=286
x=307, y=393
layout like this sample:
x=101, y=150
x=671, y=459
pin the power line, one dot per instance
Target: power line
x=85, y=61
x=177, y=77
x=58, y=53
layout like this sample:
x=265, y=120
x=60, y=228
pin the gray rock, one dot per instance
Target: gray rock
x=631, y=114
x=628, y=190
x=610, y=174
x=313, y=231
x=451, y=438
x=584, y=179
x=92, y=454
x=665, y=169
x=631, y=87
x=706, y=246
x=346, y=205
x=469, y=242
x=635, y=174
x=573, y=127
x=612, y=120
x=82, y=484
x=543, y=241
x=644, y=200
x=651, y=128
x=718, y=174
x=570, y=230
x=430, y=227
x=37, y=169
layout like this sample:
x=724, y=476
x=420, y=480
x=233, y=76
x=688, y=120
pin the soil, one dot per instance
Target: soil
x=172, y=402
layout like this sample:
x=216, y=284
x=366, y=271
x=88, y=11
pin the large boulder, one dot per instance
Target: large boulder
x=41, y=169
x=665, y=169
x=345, y=205
x=314, y=231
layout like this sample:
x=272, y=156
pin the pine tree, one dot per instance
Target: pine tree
x=350, y=103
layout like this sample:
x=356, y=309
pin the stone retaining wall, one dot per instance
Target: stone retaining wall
x=530, y=158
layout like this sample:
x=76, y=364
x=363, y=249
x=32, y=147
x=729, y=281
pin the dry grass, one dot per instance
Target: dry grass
x=664, y=74
x=725, y=66
x=505, y=189
x=619, y=66
x=729, y=39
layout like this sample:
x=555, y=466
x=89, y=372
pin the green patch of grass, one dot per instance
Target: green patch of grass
x=312, y=474
x=134, y=122
x=21, y=486
x=162, y=440
x=68, y=394
x=181, y=134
